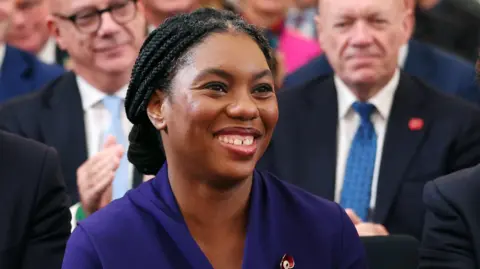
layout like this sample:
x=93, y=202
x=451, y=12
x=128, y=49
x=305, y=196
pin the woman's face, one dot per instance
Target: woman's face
x=222, y=109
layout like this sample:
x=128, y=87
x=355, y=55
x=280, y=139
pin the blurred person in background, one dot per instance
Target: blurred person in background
x=220, y=4
x=443, y=71
x=449, y=25
x=301, y=17
x=29, y=31
x=20, y=71
x=390, y=133
x=293, y=49
x=80, y=114
x=157, y=11
x=35, y=220
x=451, y=237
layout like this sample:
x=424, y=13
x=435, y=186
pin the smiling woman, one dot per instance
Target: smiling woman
x=202, y=87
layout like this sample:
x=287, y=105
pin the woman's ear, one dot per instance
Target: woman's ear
x=156, y=109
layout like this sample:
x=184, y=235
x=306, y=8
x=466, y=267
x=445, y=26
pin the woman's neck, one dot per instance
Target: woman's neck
x=211, y=212
x=208, y=206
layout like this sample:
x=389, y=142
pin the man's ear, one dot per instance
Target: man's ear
x=156, y=110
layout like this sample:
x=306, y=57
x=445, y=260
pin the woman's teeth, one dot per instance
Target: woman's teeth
x=236, y=139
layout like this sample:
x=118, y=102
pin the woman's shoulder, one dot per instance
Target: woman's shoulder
x=117, y=212
x=117, y=218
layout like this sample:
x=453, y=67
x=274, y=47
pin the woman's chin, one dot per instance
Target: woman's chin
x=231, y=174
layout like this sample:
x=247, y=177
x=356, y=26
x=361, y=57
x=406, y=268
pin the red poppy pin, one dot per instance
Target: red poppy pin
x=287, y=262
x=415, y=124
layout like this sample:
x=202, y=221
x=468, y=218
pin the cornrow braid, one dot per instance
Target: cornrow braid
x=165, y=51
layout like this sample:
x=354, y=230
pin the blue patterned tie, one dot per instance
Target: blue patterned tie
x=357, y=183
x=120, y=184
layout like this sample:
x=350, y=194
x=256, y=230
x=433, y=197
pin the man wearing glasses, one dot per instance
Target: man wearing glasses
x=81, y=114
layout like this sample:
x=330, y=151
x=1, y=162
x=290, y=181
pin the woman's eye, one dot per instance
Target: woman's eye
x=216, y=86
x=263, y=89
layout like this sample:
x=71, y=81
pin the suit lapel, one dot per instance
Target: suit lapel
x=401, y=142
x=62, y=124
x=15, y=73
x=319, y=153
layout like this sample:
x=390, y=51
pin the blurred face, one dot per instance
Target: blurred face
x=222, y=109
x=170, y=6
x=306, y=3
x=268, y=6
x=29, y=30
x=113, y=47
x=6, y=11
x=361, y=38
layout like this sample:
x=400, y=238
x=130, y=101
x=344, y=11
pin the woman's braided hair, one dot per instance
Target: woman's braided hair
x=162, y=54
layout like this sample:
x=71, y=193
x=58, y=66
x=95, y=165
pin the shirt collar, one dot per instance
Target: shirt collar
x=382, y=100
x=91, y=96
x=3, y=49
x=402, y=55
x=47, y=53
x=151, y=28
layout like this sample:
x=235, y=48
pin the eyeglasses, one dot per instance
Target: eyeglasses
x=89, y=21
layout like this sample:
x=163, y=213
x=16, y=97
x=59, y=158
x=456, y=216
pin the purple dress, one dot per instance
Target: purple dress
x=145, y=229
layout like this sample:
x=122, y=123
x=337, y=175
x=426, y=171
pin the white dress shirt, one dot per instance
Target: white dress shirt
x=402, y=55
x=3, y=48
x=348, y=122
x=49, y=52
x=151, y=28
x=97, y=120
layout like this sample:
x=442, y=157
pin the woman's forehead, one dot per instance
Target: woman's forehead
x=228, y=50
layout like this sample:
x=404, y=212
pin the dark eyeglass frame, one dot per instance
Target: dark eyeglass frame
x=98, y=13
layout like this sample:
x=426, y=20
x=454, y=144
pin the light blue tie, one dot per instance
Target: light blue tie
x=121, y=183
x=357, y=183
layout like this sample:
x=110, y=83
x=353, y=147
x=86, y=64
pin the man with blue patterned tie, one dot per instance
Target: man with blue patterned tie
x=81, y=113
x=370, y=136
x=360, y=163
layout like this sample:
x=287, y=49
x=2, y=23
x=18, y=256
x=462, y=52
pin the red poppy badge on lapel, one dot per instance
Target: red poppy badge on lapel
x=415, y=124
x=287, y=262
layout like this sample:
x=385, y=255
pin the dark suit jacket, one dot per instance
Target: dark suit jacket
x=439, y=69
x=391, y=252
x=54, y=116
x=451, y=237
x=304, y=146
x=22, y=72
x=34, y=214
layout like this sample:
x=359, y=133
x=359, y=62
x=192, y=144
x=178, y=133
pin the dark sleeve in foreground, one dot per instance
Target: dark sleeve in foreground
x=50, y=223
x=446, y=241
